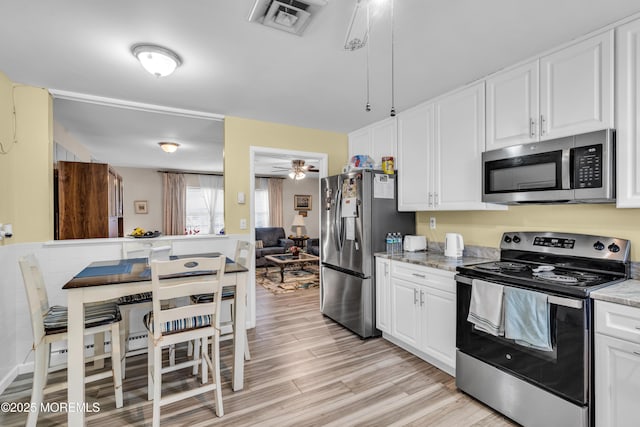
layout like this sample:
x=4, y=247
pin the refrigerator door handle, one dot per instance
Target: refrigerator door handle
x=339, y=221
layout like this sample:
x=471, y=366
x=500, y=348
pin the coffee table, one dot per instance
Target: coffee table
x=283, y=261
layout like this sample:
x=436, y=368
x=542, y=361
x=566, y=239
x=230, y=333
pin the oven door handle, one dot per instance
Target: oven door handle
x=566, y=302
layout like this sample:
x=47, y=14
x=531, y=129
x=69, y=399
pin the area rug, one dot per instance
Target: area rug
x=294, y=278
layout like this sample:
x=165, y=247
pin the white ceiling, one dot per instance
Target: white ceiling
x=235, y=67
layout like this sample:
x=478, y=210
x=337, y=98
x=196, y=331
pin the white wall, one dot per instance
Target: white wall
x=141, y=184
x=310, y=186
x=60, y=261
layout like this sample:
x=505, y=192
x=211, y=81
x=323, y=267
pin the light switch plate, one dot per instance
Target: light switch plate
x=243, y=224
x=241, y=197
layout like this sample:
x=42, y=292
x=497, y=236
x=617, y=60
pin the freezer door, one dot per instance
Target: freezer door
x=349, y=300
x=346, y=222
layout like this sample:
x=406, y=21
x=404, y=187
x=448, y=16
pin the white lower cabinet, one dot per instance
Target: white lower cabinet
x=617, y=365
x=383, y=294
x=423, y=313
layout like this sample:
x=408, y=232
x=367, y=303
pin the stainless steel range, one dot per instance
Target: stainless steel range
x=524, y=325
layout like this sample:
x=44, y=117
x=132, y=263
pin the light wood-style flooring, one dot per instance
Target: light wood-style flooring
x=305, y=370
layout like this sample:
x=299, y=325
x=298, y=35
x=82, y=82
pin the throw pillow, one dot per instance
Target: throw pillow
x=259, y=244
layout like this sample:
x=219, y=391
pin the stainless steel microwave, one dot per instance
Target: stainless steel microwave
x=575, y=169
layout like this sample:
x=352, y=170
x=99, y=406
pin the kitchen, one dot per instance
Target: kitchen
x=479, y=228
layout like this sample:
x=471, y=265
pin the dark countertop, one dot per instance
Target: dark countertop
x=433, y=259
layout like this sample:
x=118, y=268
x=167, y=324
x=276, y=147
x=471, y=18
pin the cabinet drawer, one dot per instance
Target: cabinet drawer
x=618, y=320
x=427, y=276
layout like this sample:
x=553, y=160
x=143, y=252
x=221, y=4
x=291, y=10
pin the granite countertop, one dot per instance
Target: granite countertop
x=626, y=293
x=433, y=259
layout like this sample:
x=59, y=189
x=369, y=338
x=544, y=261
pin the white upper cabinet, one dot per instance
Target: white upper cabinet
x=576, y=88
x=415, y=147
x=459, y=143
x=628, y=115
x=377, y=140
x=512, y=107
x=564, y=93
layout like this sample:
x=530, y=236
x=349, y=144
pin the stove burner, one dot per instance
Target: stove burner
x=555, y=277
x=502, y=266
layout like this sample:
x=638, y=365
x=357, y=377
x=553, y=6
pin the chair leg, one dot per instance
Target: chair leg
x=98, y=348
x=150, y=359
x=157, y=384
x=203, y=361
x=247, y=355
x=116, y=363
x=172, y=355
x=124, y=338
x=39, y=381
x=195, y=354
x=215, y=350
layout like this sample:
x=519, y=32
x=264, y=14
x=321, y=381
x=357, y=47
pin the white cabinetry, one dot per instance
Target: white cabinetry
x=617, y=365
x=423, y=313
x=512, y=107
x=628, y=115
x=564, y=93
x=440, y=147
x=377, y=140
x=383, y=294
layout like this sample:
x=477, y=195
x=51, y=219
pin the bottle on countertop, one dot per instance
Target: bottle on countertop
x=389, y=241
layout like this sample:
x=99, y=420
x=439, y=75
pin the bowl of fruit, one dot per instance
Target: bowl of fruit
x=140, y=233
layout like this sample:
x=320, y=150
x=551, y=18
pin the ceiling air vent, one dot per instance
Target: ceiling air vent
x=291, y=16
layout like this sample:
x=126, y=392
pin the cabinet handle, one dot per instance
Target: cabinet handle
x=418, y=275
x=637, y=353
x=532, y=128
x=386, y=270
x=430, y=199
x=435, y=200
x=421, y=298
x=415, y=296
x=543, y=125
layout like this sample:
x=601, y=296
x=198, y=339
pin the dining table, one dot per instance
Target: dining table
x=108, y=280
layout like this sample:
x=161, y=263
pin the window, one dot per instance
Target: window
x=198, y=218
x=261, y=197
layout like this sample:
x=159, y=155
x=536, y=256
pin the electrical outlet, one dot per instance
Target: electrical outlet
x=432, y=223
x=243, y=224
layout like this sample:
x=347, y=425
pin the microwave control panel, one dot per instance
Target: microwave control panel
x=587, y=166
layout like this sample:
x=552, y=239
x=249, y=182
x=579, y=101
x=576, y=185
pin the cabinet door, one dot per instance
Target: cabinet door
x=628, y=115
x=383, y=139
x=459, y=143
x=405, y=311
x=512, y=107
x=415, y=141
x=577, y=88
x=383, y=295
x=617, y=372
x=360, y=142
x=439, y=324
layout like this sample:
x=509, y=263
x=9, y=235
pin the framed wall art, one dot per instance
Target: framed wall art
x=302, y=202
x=140, y=207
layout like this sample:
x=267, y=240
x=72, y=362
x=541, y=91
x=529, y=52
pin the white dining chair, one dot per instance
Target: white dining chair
x=160, y=250
x=171, y=325
x=49, y=325
x=243, y=256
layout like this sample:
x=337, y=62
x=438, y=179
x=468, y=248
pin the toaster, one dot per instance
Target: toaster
x=415, y=243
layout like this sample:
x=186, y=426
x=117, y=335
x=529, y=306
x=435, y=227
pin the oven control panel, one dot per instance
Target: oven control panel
x=554, y=242
x=571, y=244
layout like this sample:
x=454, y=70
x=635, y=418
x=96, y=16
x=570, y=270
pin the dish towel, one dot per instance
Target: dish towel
x=486, y=308
x=526, y=318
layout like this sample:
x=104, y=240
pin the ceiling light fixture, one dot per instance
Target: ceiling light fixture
x=157, y=60
x=297, y=170
x=169, y=147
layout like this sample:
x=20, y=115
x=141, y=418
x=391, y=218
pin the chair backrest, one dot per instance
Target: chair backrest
x=36, y=294
x=244, y=253
x=188, y=284
x=142, y=248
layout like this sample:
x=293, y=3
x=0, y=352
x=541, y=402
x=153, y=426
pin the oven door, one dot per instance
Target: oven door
x=563, y=371
x=536, y=172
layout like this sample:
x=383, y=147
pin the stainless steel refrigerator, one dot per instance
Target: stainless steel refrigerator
x=358, y=209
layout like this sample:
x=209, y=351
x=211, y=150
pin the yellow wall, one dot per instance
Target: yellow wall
x=240, y=134
x=485, y=228
x=26, y=171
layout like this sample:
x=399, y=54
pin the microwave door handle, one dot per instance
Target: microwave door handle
x=566, y=169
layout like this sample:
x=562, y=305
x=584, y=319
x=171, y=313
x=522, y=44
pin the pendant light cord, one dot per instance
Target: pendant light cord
x=368, y=42
x=393, y=102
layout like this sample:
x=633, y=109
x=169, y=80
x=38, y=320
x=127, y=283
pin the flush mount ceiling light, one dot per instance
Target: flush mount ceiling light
x=157, y=60
x=169, y=147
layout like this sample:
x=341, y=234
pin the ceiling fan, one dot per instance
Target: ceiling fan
x=298, y=169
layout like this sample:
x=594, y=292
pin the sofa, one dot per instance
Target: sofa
x=313, y=247
x=270, y=241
